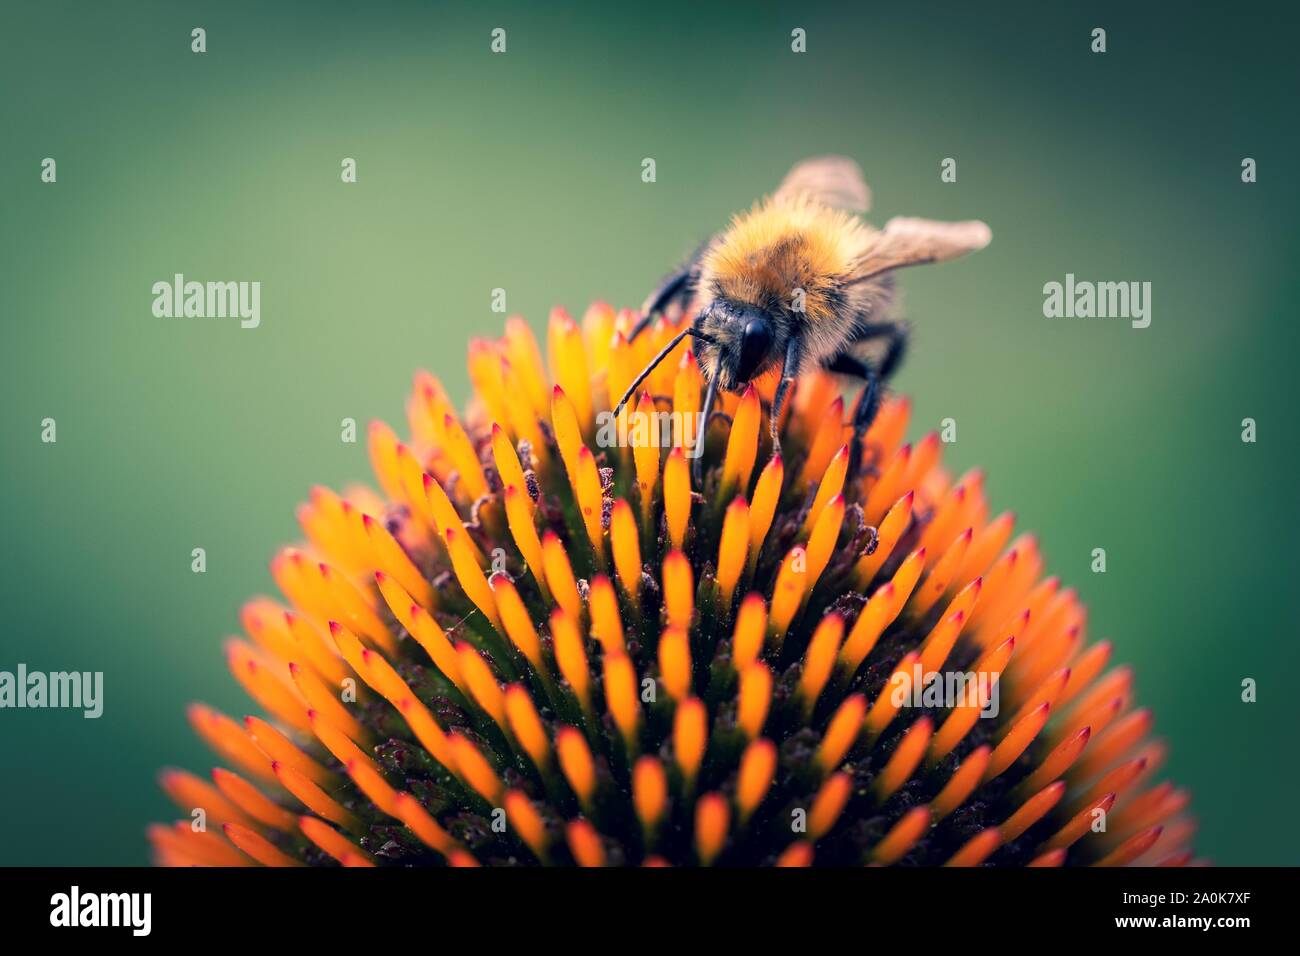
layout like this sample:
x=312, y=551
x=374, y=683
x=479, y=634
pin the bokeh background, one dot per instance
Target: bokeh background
x=522, y=171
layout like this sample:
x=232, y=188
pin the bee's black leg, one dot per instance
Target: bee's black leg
x=789, y=372
x=697, y=466
x=896, y=334
x=658, y=300
x=868, y=403
x=873, y=375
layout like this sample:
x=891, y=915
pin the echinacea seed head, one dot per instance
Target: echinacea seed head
x=537, y=647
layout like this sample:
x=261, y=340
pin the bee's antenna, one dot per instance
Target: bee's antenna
x=654, y=363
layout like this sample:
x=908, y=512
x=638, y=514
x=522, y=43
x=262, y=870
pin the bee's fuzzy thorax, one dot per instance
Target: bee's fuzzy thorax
x=779, y=247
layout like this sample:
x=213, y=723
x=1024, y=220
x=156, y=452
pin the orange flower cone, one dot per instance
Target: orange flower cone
x=539, y=643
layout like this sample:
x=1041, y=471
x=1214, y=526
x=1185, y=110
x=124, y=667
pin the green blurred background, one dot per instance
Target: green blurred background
x=523, y=171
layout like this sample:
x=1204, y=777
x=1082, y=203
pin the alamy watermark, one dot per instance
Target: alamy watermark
x=208, y=300
x=75, y=908
x=946, y=689
x=638, y=429
x=76, y=690
x=1101, y=300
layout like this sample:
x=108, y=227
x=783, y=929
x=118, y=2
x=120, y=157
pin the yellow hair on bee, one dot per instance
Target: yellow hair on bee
x=783, y=245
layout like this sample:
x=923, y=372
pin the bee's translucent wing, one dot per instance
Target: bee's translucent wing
x=911, y=242
x=834, y=181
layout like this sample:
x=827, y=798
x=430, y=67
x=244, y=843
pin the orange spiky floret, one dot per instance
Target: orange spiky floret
x=544, y=647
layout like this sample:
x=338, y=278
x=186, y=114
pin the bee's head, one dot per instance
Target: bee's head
x=739, y=343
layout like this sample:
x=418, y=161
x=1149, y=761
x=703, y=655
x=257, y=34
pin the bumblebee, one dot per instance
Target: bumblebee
x=800, y=282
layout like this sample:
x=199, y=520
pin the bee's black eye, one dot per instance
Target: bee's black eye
x=755, y=343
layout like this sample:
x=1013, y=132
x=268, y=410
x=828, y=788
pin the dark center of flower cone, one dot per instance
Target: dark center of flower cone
x=541, y=645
